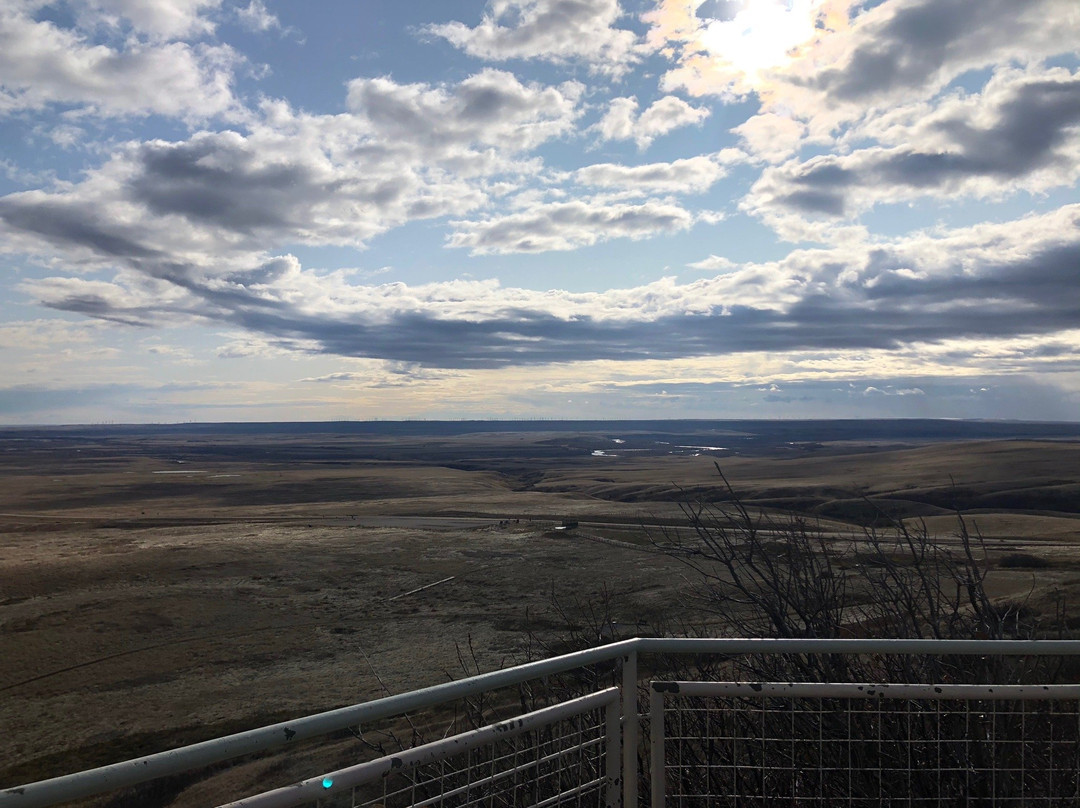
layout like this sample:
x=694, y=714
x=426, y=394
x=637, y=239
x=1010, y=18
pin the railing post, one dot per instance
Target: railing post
x=656, y=742
x=612, y=755
x=629, y=729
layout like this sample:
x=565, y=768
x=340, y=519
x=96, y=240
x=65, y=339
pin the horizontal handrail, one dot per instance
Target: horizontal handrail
x=724, y=645
x=139, y=770
x=173, y=761
x=859, y=690
x=333, y=782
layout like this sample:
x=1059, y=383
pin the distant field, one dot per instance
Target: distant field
x=162, y=585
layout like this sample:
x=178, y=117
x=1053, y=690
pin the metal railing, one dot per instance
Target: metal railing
x=564, y=754
x=770, y=743
x=594, y=747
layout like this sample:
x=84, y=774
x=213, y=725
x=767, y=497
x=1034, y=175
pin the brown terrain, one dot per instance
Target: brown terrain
x=159, y=587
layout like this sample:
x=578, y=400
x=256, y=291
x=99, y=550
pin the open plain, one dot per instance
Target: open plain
x=162, y=585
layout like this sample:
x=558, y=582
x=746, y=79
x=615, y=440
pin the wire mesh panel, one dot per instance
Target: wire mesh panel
x=906, y=749
x=559, y=764
x=865, y=745
x=567, y=755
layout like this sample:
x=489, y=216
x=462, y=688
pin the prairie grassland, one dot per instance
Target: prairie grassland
x=160, y=590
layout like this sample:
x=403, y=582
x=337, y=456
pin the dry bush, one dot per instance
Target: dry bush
x=789, y=578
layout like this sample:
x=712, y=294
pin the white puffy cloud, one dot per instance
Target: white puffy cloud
x=256, y=17
x=1022, y=132
x=405, y=152
x=491, y=108
x=165, y=19
x=192, y=229
x=550, y=30
x=688, y=176
x=622, y=121
x=714, y=263
x=43, y=64
x=820, y=65
x=568, y=225
x=771, y=136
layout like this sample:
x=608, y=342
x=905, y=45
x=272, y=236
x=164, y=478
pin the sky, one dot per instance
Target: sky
x=238, y=210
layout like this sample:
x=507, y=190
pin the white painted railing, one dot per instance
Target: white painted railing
x=568, y=752
x=619, y=659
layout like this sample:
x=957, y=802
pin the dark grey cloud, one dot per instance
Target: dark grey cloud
x=1033, y=122
x=1046, y=281
x=1026, y=126
x=72, y=225
x=236, y=186
x=492, y=107
x=883, y=298
x=909, y=47
x=216, y=181
x=404, y=152
x=102, y=308
x=921, y=43
x=829, y=203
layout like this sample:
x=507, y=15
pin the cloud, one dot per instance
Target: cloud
x=818, y=66
x=491, y=108
x=383, y=374
x=806, y=51
x=891, y=390
x=568, y=225
x=126, y=300
x=1022, y=132
x=164, y=19
x=691, y=175
x=196, y=229
x=173, y=352
x=551, y=30
x=225, y=182
x=740, y=49
x=42, y=64
x=404, y=152
x=897, y=47
x=334, y=378
x=714, y=262
x=990, y=282
x=771, y=136
x=46, y=335
x=255, y=17
x=622, y=121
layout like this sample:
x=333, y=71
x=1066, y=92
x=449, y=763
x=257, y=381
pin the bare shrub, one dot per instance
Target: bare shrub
x=787, y=577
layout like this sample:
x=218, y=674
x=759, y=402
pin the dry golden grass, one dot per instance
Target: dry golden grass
x=146, y=602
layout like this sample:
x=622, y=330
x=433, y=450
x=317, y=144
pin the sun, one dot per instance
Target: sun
x=763, y=36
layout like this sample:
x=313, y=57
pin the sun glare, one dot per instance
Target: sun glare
x=763, y=35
